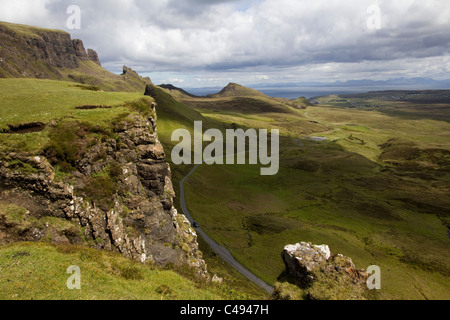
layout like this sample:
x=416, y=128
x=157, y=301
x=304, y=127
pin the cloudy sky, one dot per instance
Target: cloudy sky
x=195, y=43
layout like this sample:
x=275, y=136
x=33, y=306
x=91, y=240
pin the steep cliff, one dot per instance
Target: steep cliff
x=100, y=181
x=32, y=52
x=27, y=54
x=109, y=187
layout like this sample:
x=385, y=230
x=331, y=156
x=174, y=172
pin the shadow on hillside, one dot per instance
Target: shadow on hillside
x=408, y=110
x=24, y=128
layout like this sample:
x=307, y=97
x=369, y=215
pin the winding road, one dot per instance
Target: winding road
x=218, y=249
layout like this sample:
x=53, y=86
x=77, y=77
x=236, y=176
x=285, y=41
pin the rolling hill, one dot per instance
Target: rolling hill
x=236, y=90
x=176, y=92
x=368, y=179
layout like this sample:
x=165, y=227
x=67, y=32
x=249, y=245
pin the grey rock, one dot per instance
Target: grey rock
x=304, y=261
x=141, y=222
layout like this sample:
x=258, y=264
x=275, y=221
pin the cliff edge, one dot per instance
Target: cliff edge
x=33, y=52
x=115, y=192
x=100, y=177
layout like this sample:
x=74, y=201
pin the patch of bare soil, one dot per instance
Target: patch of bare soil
x=25, y=128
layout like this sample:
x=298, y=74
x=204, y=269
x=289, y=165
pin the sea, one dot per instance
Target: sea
x=307, y=92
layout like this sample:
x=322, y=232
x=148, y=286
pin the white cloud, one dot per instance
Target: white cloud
x=268, y=38
x=25, y=11
x=176, y=80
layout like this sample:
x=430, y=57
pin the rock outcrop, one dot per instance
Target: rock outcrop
x=136, y=217
x=302, y=258
x=93, y=56
x=82, y=54
x=322, y=275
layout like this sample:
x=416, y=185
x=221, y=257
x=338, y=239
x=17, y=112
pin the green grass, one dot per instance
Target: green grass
x=301, y=102
x=37, y=271
x=256, y=217
x=25, y=30
x=236, y=90
x=30, y=100
x=92, y=75
x=55, y=101
x=13, y=213
x=337, y=192
x=22, y=167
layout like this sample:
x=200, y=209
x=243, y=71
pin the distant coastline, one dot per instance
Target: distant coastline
x=313, y=91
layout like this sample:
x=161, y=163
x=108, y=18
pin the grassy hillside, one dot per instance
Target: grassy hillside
x=33, y=52
x=30, y=100
x=28, y=31
x=428, y=104
x=367, y=175
x=175, y=92
x=301, y=102
x=236, y=90
x=37, y=271
x=376, y=189
x=106, y=276
x=91, y=74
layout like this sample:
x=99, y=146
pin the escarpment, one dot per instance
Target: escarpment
x=40, y=53
x=109, y=187
x=32, y=52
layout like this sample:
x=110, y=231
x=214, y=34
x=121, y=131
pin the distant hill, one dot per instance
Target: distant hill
x=301, y=102
x=232, y=98
x=33, y=52
x=177, y=92
x=236, y=90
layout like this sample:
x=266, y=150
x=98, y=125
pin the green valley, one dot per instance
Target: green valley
x=375, y=190
x=86, y=179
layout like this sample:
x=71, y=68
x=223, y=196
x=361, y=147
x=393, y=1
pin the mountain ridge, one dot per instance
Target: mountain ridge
x=33, y=52
x=176, y=91
x=237, y=90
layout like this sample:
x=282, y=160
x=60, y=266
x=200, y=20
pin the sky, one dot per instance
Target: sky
x=209, y=43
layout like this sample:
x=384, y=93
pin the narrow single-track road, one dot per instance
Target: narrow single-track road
x=220, y=250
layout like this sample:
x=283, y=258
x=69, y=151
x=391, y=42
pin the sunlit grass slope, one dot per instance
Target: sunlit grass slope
x=29, y=100
x=376, y=190
x=38, y=271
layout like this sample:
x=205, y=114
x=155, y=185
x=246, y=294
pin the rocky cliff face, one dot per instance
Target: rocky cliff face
x=39, y=53
x=118, y=195
x=31, y=52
